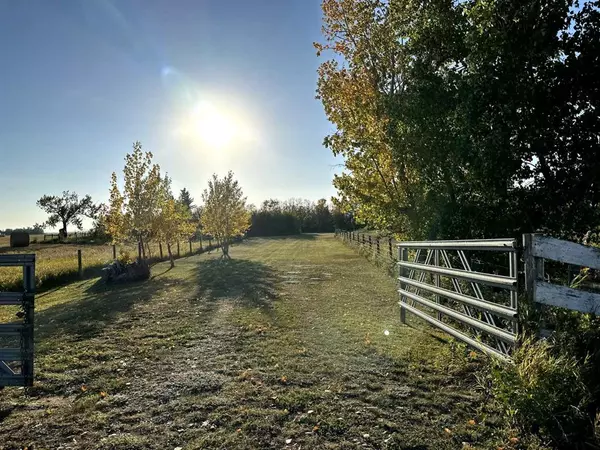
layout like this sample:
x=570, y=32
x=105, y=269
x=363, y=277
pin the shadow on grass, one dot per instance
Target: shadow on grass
x=251, y=282
x=295, y=237
x=87, y=317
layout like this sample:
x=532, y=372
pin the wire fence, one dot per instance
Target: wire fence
x=380, y=249
x=61, y=263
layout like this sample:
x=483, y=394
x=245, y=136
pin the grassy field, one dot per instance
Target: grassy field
x=56, y=263
x=295, y=343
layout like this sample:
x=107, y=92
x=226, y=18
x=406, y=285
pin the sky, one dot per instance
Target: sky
x=205, y=85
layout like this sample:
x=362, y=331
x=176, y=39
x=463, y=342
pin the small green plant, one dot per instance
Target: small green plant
x=542, y=393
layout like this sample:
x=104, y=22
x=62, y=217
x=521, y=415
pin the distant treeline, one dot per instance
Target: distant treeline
x=278, y=218
x=36, y=229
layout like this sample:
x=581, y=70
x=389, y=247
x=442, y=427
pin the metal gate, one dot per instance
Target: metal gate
x=16, y=338
x=439, y=284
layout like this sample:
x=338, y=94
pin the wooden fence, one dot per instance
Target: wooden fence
x=382, y=249
x=538, y=248
x=457, y=295
x=178, y=250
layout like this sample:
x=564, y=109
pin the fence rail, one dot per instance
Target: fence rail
x=381, y=248
x=486, y=319
x=454, y=293
x=538, y=248
x=16, y=363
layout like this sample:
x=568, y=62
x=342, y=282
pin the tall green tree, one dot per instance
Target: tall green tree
x=464, y=119
x=185, y=198
x=224, y=213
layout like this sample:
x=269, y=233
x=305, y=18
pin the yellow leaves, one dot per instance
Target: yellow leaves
x=473, y=355
x=225, y=214
x=283, y=379
x=367, y=339
x=472, y=422
x=132, y=211
x=84, y=388
x=103, y=394
x=315, y=428
x=448, y=431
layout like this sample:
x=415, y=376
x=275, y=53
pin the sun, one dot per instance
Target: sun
x=214, y=128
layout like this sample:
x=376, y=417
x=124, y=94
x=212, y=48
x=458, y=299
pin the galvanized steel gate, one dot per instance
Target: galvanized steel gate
x=438, y=283
x=16, y=338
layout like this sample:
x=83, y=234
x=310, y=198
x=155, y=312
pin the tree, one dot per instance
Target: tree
x=186, y=199
x=132, y=212
x=67, y=209
x=174, y=219
x=224, y=213
x=357, y=87
x=323, y=218
x=464, y=119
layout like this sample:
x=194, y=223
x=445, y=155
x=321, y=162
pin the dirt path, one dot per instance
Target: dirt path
x=285, y=346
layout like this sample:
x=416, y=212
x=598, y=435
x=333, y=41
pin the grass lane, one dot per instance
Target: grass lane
x=295, y=343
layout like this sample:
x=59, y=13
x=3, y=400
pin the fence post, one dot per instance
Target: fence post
x=533, y=266
x=139, y=251
x=436, y=279
x=209, y=243
x=390, y=246
x=530, y=266
x=402, y=256
x=190, y=246
x=28, y=309
x=178, y=253
x=160, y=250
x=79, y=264
x=114, y=251
x=377, y=242
x=201, y=243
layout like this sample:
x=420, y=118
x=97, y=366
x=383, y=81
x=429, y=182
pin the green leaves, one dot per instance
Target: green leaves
x=464, y=119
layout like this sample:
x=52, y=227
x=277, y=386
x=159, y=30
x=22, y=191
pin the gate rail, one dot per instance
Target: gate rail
x=23, y=330
x=485, y=320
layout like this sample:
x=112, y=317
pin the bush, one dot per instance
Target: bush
x=543, y=393
x=119, y=272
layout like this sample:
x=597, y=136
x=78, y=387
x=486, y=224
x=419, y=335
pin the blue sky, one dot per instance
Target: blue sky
x=80, y=81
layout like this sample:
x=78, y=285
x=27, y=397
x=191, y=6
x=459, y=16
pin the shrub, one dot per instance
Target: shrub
x=542, y=393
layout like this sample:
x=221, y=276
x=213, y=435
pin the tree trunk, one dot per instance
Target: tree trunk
x=225, y=249
x=148, y=247
x=170, y=255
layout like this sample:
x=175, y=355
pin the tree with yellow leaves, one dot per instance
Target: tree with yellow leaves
x=173, y=220
x=224, y=214
x=132, y=212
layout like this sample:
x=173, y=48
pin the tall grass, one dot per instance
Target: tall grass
x=57, y=263
x=544, y=395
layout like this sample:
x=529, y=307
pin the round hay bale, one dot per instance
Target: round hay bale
x=19, y=239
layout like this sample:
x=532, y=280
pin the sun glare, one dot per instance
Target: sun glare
x=214, y=127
